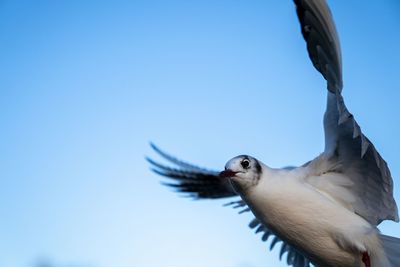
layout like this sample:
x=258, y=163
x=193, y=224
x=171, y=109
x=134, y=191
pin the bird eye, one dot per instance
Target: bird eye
x=245, y=163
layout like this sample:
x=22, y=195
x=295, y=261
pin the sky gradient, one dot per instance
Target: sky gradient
x=86, y=85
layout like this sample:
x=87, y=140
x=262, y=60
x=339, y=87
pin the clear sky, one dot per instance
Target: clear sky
x=85, y=85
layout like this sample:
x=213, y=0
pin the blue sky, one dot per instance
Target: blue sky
x=85, y=85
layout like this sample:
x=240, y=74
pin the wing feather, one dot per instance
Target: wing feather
x=319, y=32
x=349, y=151
x=192, y=180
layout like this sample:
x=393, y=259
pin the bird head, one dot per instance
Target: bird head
x=243, y=171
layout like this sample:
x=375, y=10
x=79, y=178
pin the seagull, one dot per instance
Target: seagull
x=325, y=212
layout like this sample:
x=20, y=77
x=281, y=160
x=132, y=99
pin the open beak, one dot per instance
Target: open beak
x=227, y=173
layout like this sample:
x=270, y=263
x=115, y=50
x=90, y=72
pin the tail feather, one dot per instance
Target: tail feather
x=391, y=245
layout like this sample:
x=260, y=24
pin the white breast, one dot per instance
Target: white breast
x=328, y=233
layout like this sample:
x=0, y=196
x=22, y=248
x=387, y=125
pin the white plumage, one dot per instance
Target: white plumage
x=317, y=221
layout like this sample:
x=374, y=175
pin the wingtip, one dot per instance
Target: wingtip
x=148, y=159
x=157, y=171
x=158, y=150
x=176, y=189
x=171, y=185
x=153, y=146
x=274, y=242
x=282, y=251
x=151, y=161
x=254, y=223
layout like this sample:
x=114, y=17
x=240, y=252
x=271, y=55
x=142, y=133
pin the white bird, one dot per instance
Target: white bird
x=325, y=212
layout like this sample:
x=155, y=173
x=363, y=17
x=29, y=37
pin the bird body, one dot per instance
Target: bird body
x=297, y=212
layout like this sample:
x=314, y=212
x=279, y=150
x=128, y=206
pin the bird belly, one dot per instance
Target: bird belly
x=327, y=233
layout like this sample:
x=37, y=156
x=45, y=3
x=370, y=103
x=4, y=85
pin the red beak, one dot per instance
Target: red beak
x=227, y=173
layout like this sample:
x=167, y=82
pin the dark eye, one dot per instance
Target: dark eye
x=245, y=163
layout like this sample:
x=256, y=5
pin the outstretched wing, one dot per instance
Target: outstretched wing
x=346, y=147
x=198, y=183
x=201, y=183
